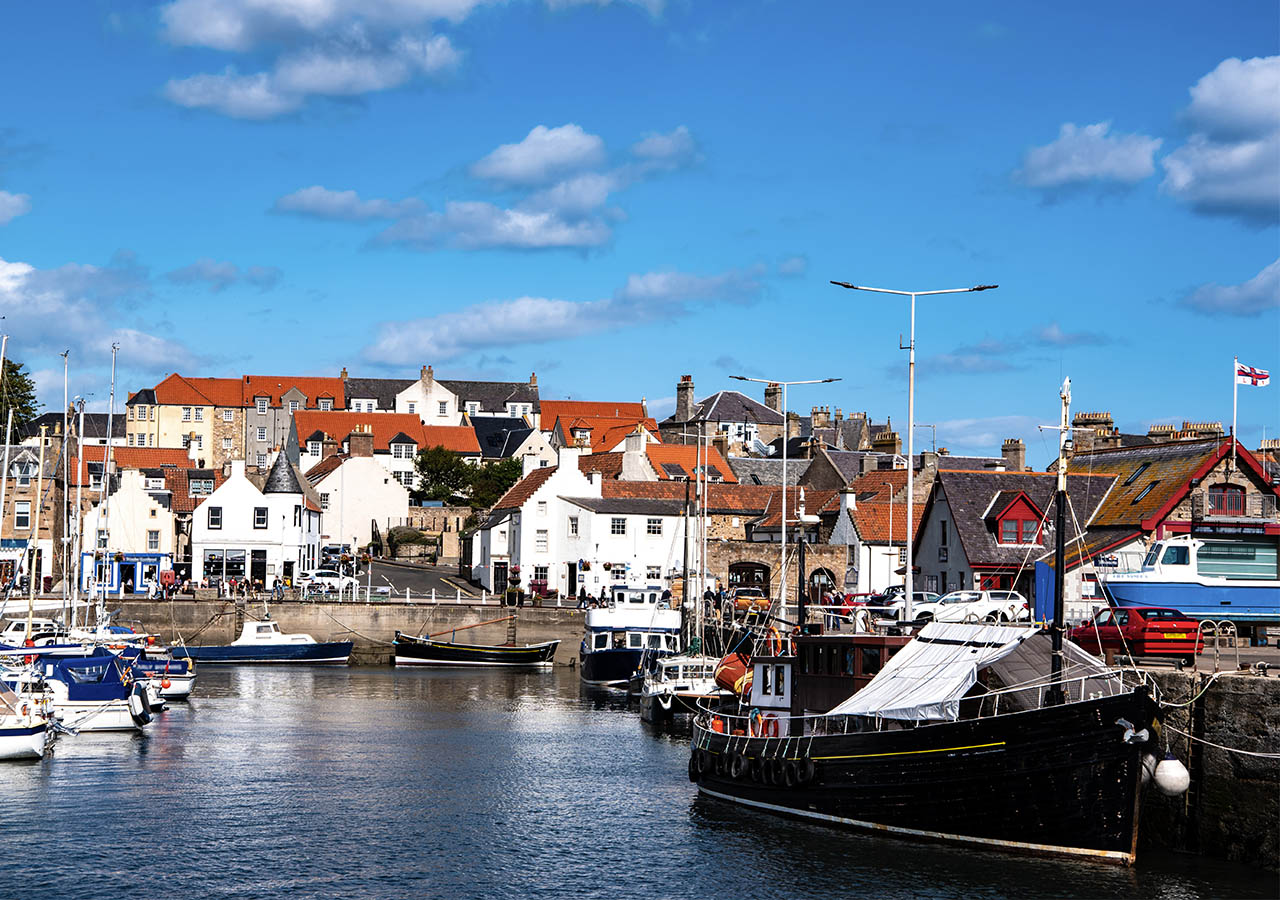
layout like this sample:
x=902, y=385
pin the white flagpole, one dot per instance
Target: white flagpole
x=1235, y=401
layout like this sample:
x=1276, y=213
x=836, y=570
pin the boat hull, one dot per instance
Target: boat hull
x=325, y=653
x=1243, y=603
x=1055, y=781
x=611, y=668
x=416, y=651
x=110, y=715
x=24, y=741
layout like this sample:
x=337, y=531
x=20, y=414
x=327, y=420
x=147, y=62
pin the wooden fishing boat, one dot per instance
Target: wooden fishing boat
x=425, y=650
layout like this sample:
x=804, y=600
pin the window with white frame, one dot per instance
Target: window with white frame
x=261, y=404
x=540, y=540
x=199, y=412
x=24, y=470
x=653, y=526
x=141, y=413
x=542, y=507
x=215, y=518
x=653, y=573
x=293, y=407
x=226, y=443
x=101, y=543
x=540, y=574
x=151, y=440
x=22, y=514
x=200, y=487
x=153, y=541
x=227, y=415
x=313, y=448
x=573, y=526
x=129, y=439
x=413, y=407
x=259, y=517
x=262, y=460
x=324, y=501
x=326, y=404
x=155, y=484
x=402, y=451
x=443, y=408
x=199, y=441
x=186, y=441
x=473, y=408
x=186, y=413
x=618, y=525
x=262, y=433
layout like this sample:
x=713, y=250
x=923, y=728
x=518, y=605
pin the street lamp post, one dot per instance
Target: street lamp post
x=911, y=414
x=889, y=485
x=782, y=579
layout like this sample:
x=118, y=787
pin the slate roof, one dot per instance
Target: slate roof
x=499, y=436
x=970, y=495
x=95, y=425
x=750, y=470
x=275, y=386
x=283, y=478
x=383, y=390
x=796, y=447
x=493, y=396
x=633, y=506
x=730, y=406
x=523, y=489
x=1169, y=468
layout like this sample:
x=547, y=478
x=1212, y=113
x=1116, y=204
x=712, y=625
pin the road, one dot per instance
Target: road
x=421, y=580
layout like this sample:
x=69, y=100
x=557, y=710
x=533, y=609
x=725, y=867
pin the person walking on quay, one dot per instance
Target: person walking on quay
x=582, y=597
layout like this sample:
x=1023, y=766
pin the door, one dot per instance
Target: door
x=572, y=590
x=499, y=577
x=258, y=567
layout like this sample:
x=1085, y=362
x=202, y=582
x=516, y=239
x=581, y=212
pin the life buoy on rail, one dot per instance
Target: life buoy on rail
x=755, y=723
x=774, y=641
x=769, y=726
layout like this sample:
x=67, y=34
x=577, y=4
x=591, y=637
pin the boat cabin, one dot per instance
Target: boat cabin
x=14, y=631
x=1186, y=558
x=830, y=668
x=268, y=632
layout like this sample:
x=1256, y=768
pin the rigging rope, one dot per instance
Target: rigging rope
x=1258, y=753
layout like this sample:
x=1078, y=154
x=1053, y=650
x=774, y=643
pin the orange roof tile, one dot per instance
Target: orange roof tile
x=339, y=424
x=607, y=464
x=567, y=409
x=875, y=481
x=686, y=457
x=458, y=438
x=872, y=521
x=523, y=489
x=733, y=499
x=177, y=482
x=312, y=387
x=606, y=432
x=177, y=390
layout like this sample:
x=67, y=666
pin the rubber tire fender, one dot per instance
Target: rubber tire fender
x=694, y=771
x=790, y=774
x=139, y=705
x=807, y=770
x=757, y=769
x=738, y=766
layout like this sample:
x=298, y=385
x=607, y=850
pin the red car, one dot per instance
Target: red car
x=1140, y=631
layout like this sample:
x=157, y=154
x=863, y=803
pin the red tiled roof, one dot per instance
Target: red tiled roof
x=177, y=482
x=872, y=521
x=815, y=502
x=177, y=390
x=567, y=409
x=326, y=466
x=458, y=438
x=523, y=489
x=686, y=457
x=339, y=424
x=607, y=464
x=606, y=432
x=134, y=458
x=312, y=387
x=735, y=499
x=875, y=481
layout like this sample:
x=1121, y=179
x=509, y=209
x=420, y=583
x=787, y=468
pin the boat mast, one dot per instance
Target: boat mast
x=66, y=536
x=104, y=495
x=4, y=472
x=79, y=538
x=1055, y=695
x=33, y=542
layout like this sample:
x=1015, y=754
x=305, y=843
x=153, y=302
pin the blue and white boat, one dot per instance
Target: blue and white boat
x=264, y=642
x=635, y=624
x=24, y=730
x=94, y=692
x=1205, y=578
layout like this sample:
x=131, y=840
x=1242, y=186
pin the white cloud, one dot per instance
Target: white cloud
x=322, y=203
x=1238, y=99
x=1231, y=165
x=12, y=206
x=671, y=150
x=232, y=94
x=79, y=307
x=534, y=320
x=478, y=225
x=1252, y=298
x=544, y=154
x=794, y=265
x=984, y=436
x=1052, y=335
x=222, y=275
x=1087, y=155
x=653, y=7
x=576, y=196
x=238, y=25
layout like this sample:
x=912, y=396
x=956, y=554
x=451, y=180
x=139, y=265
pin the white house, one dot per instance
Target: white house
x=356, y=492
x=242, y=531
x=876, y=534
x=134, y=522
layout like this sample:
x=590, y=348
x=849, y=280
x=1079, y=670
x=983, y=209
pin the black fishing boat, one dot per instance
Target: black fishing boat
x=424, y=651
x=1005, y=737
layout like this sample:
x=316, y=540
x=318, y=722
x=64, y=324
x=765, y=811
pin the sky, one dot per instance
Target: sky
x=615, y=194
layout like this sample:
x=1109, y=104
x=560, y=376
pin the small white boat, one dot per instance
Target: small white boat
x=87, y=693
x=24, y=730
x=678, y=684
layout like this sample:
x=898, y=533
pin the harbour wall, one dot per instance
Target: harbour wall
x=1232, y=809
x=371, y=626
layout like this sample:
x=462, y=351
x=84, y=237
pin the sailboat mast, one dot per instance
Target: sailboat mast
x=1055, y=695
x=79, y=538
x=66, y=465
x=33, y=542
x=104, y=492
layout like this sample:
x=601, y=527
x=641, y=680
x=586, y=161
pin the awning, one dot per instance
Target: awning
x=927, y=678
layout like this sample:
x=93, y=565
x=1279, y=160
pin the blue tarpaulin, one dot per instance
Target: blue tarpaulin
x=1046, y=579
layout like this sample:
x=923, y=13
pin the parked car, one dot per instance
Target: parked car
x=326, y=580
x=1140, y=631
x=894, y=606
x=976, y=606
x=748, y=597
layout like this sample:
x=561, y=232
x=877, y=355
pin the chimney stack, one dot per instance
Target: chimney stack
x=360, y=443
x=343, y=373
x=328, y=447
x=533, y=379
x=684, y=398
x=721, y=442
x=1014, y=452
x=773, y=397
x=887, y=442
x=820, y=416
x=793, y=425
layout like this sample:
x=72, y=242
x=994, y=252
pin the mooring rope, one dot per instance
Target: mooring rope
x=1257, y=753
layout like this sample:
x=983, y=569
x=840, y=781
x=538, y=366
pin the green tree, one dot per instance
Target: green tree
x=442, y=474
x=17, y=392
x=490, y=481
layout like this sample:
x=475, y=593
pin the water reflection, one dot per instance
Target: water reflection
x=334, y=782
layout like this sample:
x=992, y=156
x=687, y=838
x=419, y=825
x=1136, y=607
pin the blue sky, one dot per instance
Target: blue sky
x=616, y=194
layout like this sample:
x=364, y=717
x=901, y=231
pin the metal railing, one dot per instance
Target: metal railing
x=1220, y=630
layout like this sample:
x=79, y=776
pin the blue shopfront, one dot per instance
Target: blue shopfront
x=129, y=573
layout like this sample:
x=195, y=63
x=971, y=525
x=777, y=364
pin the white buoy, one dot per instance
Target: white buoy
x=1148, y=767
x=1172, y=777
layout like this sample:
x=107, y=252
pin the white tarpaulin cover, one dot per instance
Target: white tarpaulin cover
x=926, y=679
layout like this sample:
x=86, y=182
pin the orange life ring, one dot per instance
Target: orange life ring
x=165, y=684
x=770, y=725
x=757, y=726
x=775, y=641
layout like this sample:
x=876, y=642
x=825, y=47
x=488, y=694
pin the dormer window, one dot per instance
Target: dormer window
x=293, y=407
x=473, y=408
x=261, y=404
x=1015, y=519
x=402, y=451
x=326, y=405
x=313, y=448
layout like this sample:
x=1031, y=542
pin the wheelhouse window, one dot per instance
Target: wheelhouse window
x=1176, y=555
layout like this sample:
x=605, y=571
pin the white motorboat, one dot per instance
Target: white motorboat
x=85, y=693
x=24, y=729
x=679, y=684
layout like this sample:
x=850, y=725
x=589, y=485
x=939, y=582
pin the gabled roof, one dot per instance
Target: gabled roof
x=750, y=470
x=722, y=499
x=730, y=406
x=177, y=390
x=95, y=425
x=1001, y=502
x=178, y=483
x=681, y=460
x=132, y=458
x=566, y=409
x=276, y=386
x=499, y=436
x=971, y=494
x=635, y=506
x=872, y=519
x=326, y=466
x=458, y=438
x=493, y=396
x=523, y=489
x=609, y=465
x=895, y=479
x=383, y=390
x=604, y=432
x=314, y=425
x=815, y=503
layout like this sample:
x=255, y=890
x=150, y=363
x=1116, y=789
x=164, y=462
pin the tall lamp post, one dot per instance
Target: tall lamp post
x=911, y=415
x=893, y=560
x=782, y=580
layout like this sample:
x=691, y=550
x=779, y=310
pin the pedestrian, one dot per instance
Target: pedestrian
x=582, y=597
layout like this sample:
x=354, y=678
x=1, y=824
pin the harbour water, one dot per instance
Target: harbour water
x=355, y=783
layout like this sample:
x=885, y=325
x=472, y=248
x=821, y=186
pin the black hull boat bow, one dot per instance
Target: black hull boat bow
x=958, y=739
x=422, y=651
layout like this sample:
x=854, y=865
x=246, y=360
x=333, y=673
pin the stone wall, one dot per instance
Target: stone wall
x=1232, y=809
